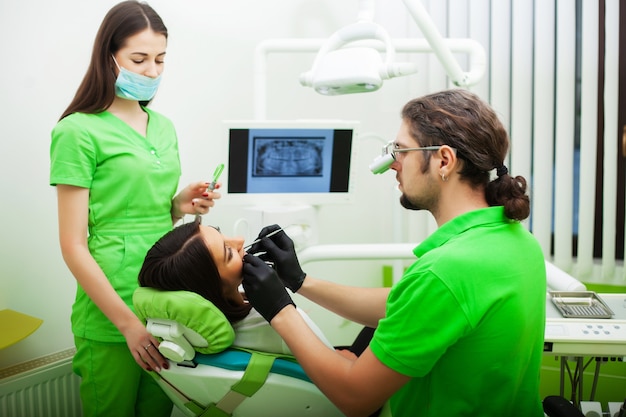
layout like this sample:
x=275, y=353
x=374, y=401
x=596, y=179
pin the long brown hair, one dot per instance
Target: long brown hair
x=461, y=120
x=181, y=260
x=97, y=90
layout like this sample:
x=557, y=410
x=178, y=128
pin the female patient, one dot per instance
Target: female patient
x=197, y=258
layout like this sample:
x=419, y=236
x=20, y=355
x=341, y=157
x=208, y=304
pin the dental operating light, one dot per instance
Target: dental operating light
x=343, y=69
x=348, y=62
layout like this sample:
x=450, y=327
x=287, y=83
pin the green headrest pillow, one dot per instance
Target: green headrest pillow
x=189, y=309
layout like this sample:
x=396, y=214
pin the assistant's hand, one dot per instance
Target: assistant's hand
x=280, y=250
x=194, y=199
x=144, y=347
x=265, y=291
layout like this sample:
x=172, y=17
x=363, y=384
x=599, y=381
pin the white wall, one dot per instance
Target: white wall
x=45, y=48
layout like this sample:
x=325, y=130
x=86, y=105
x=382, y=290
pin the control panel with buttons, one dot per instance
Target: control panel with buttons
x=587, y=337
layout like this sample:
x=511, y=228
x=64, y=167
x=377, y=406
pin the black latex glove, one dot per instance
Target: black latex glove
x=280, y=251
x=264, y=290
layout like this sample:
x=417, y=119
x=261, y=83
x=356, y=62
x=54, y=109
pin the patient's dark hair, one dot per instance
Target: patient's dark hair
x=180, y=260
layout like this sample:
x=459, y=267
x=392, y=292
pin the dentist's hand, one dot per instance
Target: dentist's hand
x=265, y=291
x=280, y=250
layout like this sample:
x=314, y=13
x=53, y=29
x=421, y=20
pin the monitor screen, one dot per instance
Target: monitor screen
x=282, y=162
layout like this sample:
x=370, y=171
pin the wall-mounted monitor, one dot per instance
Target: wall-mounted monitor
x=289, y=162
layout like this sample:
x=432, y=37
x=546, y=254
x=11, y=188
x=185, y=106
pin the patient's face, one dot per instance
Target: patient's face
x=227, y=254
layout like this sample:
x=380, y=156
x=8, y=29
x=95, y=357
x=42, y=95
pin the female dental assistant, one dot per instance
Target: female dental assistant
x=116, y=167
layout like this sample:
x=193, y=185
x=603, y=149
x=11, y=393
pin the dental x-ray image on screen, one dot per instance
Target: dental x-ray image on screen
x=288, y=157
x=306, y=162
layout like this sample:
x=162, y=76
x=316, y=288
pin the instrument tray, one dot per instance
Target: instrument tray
x=581, y=304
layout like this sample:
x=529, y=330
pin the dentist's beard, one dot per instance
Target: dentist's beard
x=428, y=202
x=407, y=204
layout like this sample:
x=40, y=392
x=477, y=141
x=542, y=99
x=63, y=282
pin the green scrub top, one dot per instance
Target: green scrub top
x=132, y=180
x=467, y=321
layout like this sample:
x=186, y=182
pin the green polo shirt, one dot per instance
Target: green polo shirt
x=132, y=180
x=467, y=321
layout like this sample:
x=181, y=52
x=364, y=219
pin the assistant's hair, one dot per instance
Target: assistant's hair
x=461, y=120
x=97, y=90
x=181, y=261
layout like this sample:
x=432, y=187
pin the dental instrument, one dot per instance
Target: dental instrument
x=216, y=176
x=213, y=183
x=258, y=240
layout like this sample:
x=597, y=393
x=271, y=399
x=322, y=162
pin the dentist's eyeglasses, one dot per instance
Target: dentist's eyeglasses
x=383, y=162
x=392, y=148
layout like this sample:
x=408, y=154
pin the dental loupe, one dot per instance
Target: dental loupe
x=382, y=162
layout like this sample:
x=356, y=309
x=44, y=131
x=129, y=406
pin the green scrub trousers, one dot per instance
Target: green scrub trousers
x=113, y=361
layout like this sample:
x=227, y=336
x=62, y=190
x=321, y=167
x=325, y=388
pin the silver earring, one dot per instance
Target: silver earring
x=443, y=177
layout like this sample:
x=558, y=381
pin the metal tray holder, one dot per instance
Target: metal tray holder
x=581, y=304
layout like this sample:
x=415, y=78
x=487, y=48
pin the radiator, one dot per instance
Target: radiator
x=44, y=387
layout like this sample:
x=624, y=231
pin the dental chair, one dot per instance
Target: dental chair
x=211, y=377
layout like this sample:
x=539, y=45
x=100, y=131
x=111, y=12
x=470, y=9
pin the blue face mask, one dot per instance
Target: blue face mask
x=133, y=86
